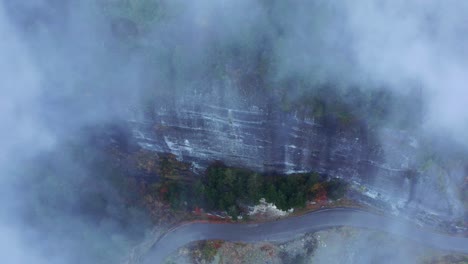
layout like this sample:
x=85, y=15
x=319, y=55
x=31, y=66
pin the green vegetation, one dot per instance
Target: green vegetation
x=344, y=108
x=209, y=249
x=228, y=189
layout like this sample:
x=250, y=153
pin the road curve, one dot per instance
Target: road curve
x=292, y=227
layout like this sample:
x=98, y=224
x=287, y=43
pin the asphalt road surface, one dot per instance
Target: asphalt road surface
x=292, y=227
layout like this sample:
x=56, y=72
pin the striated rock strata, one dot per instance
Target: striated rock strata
x=201, y=128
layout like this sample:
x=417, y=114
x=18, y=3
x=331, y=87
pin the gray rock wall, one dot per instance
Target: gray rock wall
x=201, y=129
x=265, y=138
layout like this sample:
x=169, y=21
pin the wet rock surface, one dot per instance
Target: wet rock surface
x=204, y=127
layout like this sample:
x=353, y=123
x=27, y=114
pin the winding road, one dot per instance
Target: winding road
x=292, y=227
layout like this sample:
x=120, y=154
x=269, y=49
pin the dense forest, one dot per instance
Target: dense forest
x=223, y=188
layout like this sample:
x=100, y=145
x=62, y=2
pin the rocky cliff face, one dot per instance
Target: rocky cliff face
x=261, y=137
x=383, y=164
